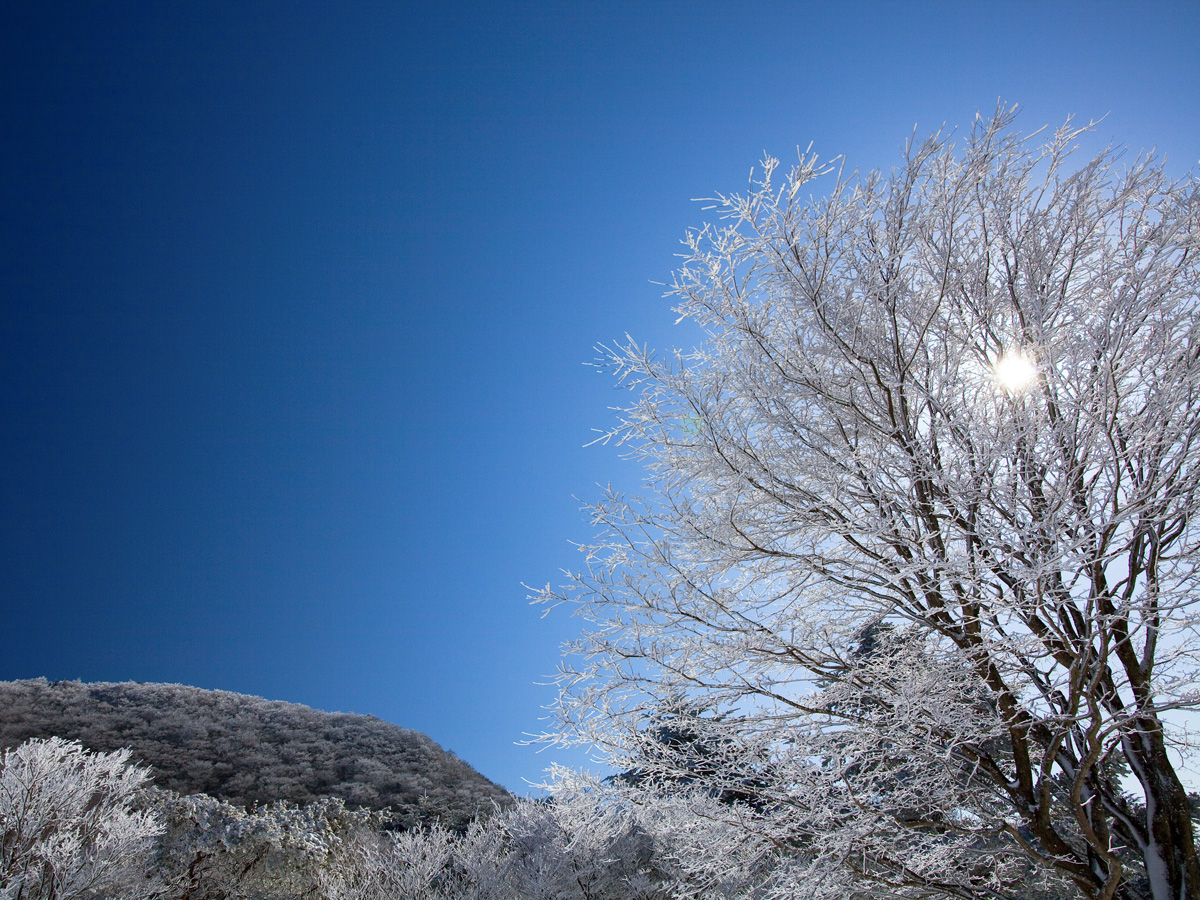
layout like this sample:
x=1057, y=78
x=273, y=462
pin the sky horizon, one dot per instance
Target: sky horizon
x=300, y=301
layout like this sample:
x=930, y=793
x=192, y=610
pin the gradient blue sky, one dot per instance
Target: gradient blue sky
x=297, y=299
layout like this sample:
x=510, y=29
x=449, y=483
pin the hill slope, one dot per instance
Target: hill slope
x=249, y=750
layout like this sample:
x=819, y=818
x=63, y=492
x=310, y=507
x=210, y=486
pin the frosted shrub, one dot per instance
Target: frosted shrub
x=281, y=851
x=68, y=824
x=411, y=865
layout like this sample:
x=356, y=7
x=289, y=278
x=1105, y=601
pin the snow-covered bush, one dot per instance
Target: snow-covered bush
x=69, y=824
x=583, y=843
x=409, y=865
x=212, y=849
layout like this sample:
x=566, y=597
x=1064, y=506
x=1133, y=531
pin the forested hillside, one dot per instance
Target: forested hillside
x=248, y=750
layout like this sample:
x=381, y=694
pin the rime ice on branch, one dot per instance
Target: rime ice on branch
x=921, y=522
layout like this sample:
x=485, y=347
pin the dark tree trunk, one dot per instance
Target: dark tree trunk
x=1170, y=854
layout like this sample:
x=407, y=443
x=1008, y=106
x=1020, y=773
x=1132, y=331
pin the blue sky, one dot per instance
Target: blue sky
x=297, y=299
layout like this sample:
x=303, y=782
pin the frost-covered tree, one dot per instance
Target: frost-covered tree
x=212, y=850
x=69, y=824
x=922, y=521
x=584, y=843
x=685, y=745
x=406, y=865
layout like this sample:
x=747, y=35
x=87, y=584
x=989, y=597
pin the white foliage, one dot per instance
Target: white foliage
x=849, y=453
x=700, y=848
x=68, y=825
x=412, y=865
x=584, y=843
x=482, y=861
x=277, y=852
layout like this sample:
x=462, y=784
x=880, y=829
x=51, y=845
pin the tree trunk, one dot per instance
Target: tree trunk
x=1170, y=853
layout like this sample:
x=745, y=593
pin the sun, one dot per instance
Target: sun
x=1015, y=372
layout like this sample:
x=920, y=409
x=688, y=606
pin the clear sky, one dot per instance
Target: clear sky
x=297, y=299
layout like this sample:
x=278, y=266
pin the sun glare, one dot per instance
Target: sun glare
x=1015, y=372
